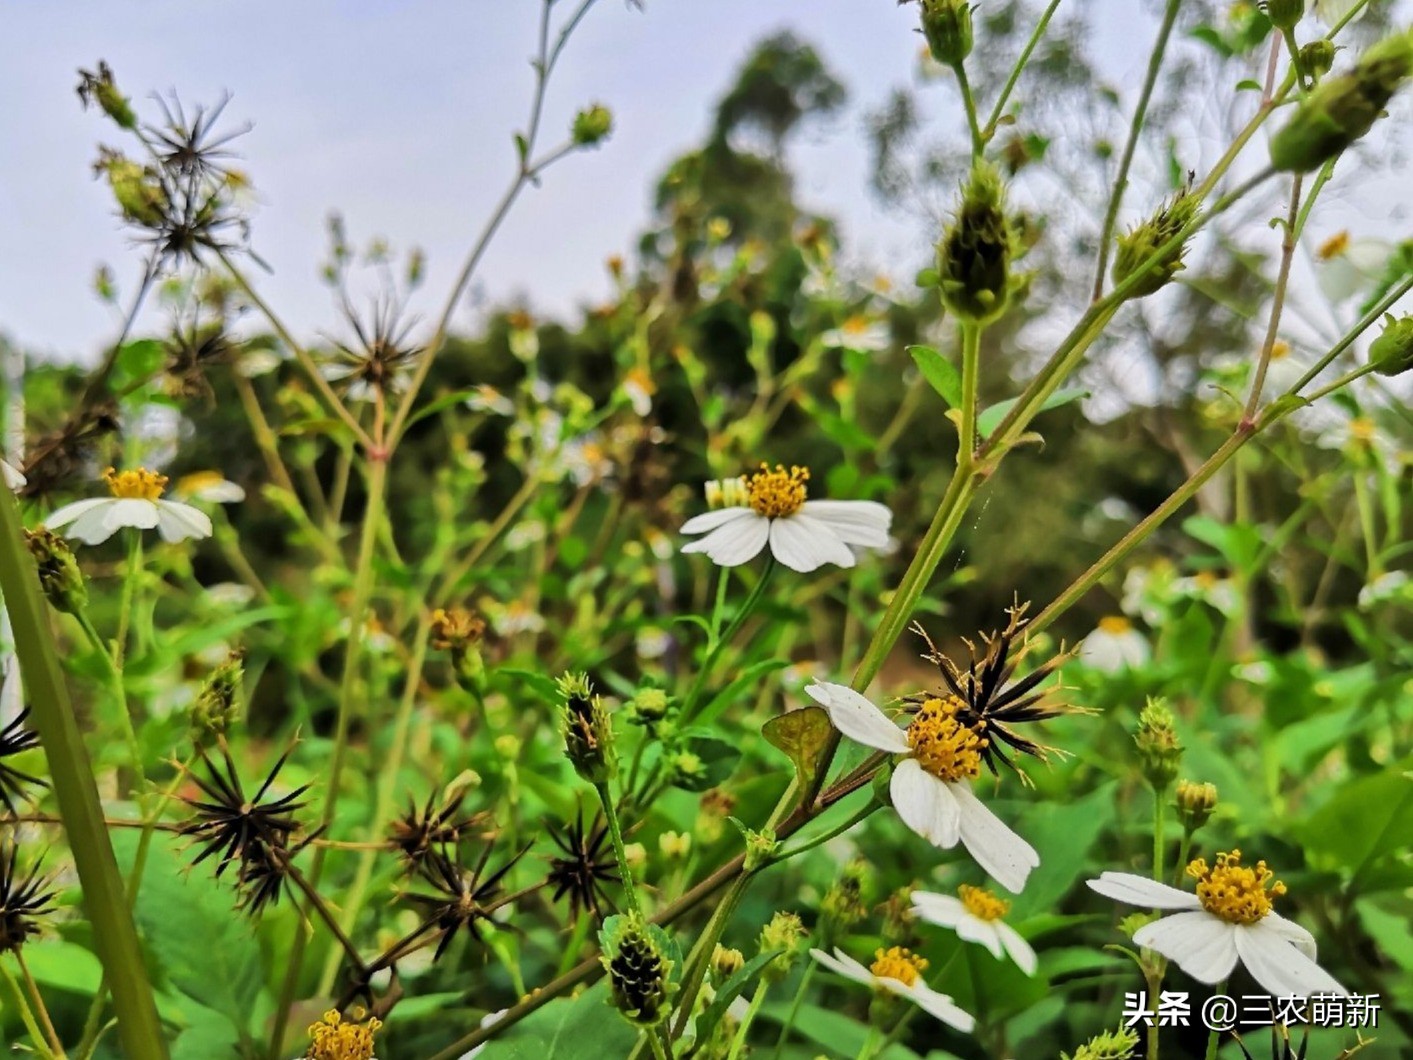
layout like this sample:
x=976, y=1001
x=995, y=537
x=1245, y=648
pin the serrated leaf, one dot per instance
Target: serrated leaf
x=801, y=734
x=940, y=373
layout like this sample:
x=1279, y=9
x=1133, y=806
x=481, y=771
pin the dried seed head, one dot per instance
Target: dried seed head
x=588, y=732
x=59, y=574
x=1143, y=241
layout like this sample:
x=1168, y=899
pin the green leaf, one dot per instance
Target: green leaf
x=136, y=363
x=991, y=418
x=1367, y=820
x=1063, y=843
x=729, y=991
x=207, y=1033
x=750, y=677
x=940, y=373
x=839, y=1034
x=566, y=1029
x=801, y=734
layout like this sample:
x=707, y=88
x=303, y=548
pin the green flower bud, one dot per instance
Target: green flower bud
x=1159, y=751
x=1342, y=109
x=843, y=904
x=637, y=957
x=974, y=257
x=1284, y=14
x=216, y=708
x=725, y=963
x=947, y=26
x=759, y=848
x=1142, y=241
x=139, y=194
x=100, y=88
x=1392, y=352
x=1112, y=1045
x=1317, y=57
x=650, y=706
x=59, y=574
x=785, y=933
x=592, y=125
x=1195, y=803
x=588, y=733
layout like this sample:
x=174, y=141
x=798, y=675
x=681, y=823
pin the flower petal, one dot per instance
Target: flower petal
x=997, y=849
x=845, y=965
x=92, y=526
x=1202, y=945
x=940, y=909
x=11, y=476
x=734, y=543
x=1278, y=965
x=856, y=717
x=69, y=512
x=1296, y=935
x=177, y=521
x=1141, y=891
x=1017, y=947
x=934, y=1004
x=804, y=544
x=974, y=929
x=700, y=524
x=854, y=522
x=925, y=804
x=130, y=512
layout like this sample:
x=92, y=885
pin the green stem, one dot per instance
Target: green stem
x=119, y=693
x=978, y=144
x=743, y=1031
x=26, y=1014
x=790, y=1017
x=691, y=706
x=1214, y=1036
x=615, y=830
x=1009, y=87
x=71, y=778
x=1159, y=805
x=870, y=1044
x=1263, y=362
x=971, y=371
x=1135, y=128
x=651, y=1034
x=701, y=953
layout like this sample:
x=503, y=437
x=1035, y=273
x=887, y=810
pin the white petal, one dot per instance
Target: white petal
x=178, y=521
x=933, y=1003
x=997, y=849
x=1296, y=935
x=700, y=524
x=92, y=526
x=974, y=929
x=845, y=965
x=1017, y=947
x=1202, y=945
x=69, y=512
x=855, y=522
x=856, y=717
x=1141, y=891
x=940, y=909
x=804, y=544
x=1275, y=962
x=925, y=804
x=735, y=543
x=13, y=479
x=11, y=692
x=130, y=511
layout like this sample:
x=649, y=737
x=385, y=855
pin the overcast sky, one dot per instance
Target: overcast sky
x=399, y=115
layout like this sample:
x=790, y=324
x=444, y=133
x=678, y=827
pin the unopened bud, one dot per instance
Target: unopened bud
x=588, y=733
x=1159, y=751
x=1111, y=1045
x=1392, y=352
x=1342, y=109
x=100, y=88
x=675, y=845
x=59, y=574
x=947, y=26
x=216, y=708
x=650, y=706
x=1195, y=803
x=725, y=963
x=139, y=193
x=843, y=905
x=1143, y=241
x=759, y=848
x=974, y=257
x=1284, y=14
x=785, y=933
x=592, y=125
x=636, y=956
x=1317, y=57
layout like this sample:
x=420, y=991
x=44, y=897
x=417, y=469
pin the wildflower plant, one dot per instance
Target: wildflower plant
x=551, y=687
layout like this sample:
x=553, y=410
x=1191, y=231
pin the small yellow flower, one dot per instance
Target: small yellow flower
x=334, y=1039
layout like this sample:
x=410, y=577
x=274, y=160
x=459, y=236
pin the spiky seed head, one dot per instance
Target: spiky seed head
x=974, y=256
x=1143, y=241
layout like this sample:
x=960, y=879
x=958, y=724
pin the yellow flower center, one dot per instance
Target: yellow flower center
x=982, y=904
x=857, y=324
x=1333, y=247
x=1361, y=429
x=140, y=485
x=333, y=1039
x=1236, y=893
x=941, y=744
x=897, y=963
x=1115, y=624
x=1279, y=349
x=776, y=494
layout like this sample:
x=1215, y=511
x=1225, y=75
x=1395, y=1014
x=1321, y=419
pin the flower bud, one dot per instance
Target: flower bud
x=1342, y=109
x=1159, y=751
x=1317, y=57
x=675, y=845
x=785, y=933
x=974, y=257
x=101, y=89
x=843, y=905
x=1284, y=14
x=592, y=125
x=1392, y=352
x=59, y=574
x=726, y=963
x=458, y=631
x=588, y=733
x=1142, y=241
x=216, y=708
x=1111, y=1045
x=636, y=955
x=1195, y=803
x=947, y=26
x=649, y=706
x=139, y=194
x=759, y=848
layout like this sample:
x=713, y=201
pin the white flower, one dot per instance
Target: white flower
x=802, y=534
x=229, y=594
x=931, y=788
x=488, y=1020
x=1331, y=11
x=976, y=917
x=898, y=972
x=1348, y=266
x=136, y=502
x=639, y=388
x=1219, y=593
x=487, y=398
x=13, y=479
x=1228, y=919
x=1385, y=587
x=1115, y=646
x=209, y=486
x=860, y=333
